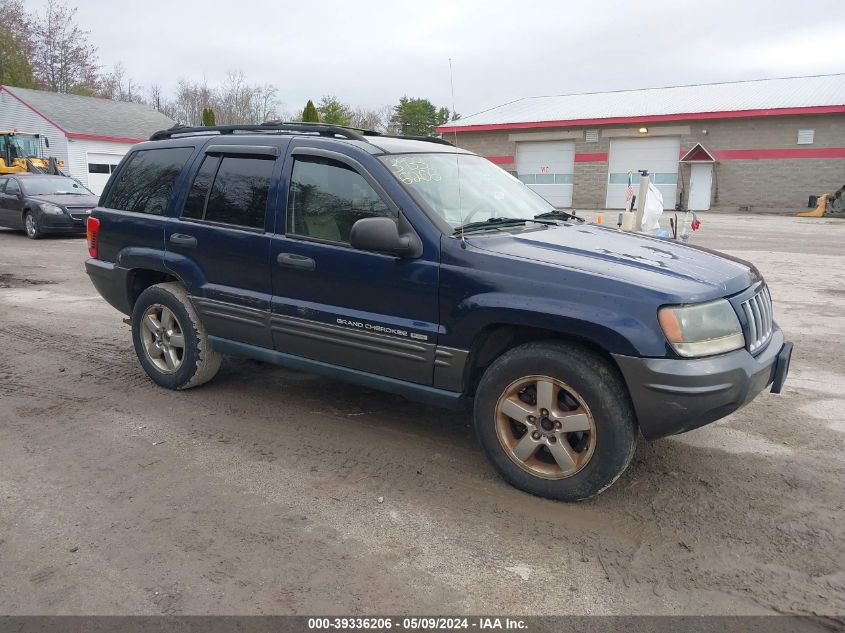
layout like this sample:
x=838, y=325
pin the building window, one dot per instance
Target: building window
x=546, y=179
x=591, y=136
x=806, y=137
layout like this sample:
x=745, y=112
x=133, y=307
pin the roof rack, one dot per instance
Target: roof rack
x=320, y=129
x=427, y=139
x=283, y=127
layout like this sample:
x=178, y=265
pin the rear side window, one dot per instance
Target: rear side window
x=230, y=190
x=146, y=181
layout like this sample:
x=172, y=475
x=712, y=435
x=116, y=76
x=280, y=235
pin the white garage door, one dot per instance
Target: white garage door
x=100, y=167
x=659, y=155
x=547, y=167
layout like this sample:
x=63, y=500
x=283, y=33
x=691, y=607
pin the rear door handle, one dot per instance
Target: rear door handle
x=188, y=241
x=297, y=262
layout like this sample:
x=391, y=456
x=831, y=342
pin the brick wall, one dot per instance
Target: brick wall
x=765, y=184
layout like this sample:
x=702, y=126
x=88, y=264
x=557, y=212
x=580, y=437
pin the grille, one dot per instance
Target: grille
x=758, y=313
x=79, y=213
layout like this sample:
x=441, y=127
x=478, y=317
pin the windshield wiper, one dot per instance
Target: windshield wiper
x=497, y=222
x=557, y=213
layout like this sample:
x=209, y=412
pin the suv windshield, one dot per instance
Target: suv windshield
x=465, y=188
x=53, y=186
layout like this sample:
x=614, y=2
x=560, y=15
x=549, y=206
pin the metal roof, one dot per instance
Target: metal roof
x=761, y=97
x=92, y=117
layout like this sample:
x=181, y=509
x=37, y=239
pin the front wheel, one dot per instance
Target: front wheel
x=170, y=340
x=555, y=420
x=30, y=225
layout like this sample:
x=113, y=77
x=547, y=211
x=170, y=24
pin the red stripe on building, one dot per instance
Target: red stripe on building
x=95, y=137
x=654, y=118
x=598, y=157
x=500, y=160
x=780, y=154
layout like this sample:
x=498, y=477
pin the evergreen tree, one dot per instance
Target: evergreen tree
x=310, y=114
x=208, y=117
x=333, y=111
x=418, y=117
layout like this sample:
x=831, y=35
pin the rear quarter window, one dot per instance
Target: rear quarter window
x=145, y=183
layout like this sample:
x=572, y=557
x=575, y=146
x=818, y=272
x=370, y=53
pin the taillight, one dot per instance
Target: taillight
x=92, y=233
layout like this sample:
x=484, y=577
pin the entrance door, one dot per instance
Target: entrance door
x=547, y=167
x=359, y=309
x=659, y=155
x=700, y=183
x=100, y=167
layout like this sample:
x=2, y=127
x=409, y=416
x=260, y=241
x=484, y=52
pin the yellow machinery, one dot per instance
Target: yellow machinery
x=829, y=205
x=21, y=152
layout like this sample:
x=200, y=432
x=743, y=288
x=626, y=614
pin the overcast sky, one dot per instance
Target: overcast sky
x=371, y=53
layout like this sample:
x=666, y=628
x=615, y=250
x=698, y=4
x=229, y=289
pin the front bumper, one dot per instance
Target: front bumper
x=54, y=223
x=677, y=395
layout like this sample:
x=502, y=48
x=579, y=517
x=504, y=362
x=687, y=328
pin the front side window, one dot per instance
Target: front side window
x=463, y=188
x=146, y=181
x=12, y=187
x=327, y=197
x=230, y=190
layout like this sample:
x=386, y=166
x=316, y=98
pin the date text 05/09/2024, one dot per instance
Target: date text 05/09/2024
x=416, y=624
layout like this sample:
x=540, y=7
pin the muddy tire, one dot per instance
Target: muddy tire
x=170, y=340
x=555, y=420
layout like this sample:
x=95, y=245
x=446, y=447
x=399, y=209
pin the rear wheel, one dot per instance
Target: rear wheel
x=555, y=420
x=170, y=340
x=30, y=224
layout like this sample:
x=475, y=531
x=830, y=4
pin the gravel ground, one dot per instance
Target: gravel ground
x=259, y=493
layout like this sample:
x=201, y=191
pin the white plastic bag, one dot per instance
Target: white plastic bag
x=653, y=209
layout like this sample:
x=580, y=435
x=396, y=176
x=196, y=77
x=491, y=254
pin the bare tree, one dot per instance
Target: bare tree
x=191, y=99
x=377, y=119
x=63, y=59
x=267, y=103
x=156, y=98
x=118, y=86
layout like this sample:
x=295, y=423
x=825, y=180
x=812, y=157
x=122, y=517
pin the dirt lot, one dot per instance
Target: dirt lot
x=258, y=493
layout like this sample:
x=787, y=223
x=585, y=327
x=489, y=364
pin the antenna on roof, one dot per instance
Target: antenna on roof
x=457, y=158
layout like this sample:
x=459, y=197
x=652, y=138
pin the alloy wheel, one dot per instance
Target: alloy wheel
x=163, y=338
x=545, y=427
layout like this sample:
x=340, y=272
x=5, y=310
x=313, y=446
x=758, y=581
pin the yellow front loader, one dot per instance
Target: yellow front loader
x=21, y=152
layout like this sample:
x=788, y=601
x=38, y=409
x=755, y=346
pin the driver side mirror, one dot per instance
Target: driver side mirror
x=382, y=235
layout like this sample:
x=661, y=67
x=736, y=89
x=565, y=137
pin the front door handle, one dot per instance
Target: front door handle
x=297, y=262
x=188, y=241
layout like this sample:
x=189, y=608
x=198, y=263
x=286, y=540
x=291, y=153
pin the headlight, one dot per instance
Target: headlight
x=702, y=330
x=48, y=207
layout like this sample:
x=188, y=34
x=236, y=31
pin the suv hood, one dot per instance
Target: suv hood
x=660, y=264
x=67, y=200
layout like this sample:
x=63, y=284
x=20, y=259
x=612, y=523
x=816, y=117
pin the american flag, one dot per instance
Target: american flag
x=629, y=192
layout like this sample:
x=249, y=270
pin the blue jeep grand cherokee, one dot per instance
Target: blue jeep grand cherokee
x=411, y=266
